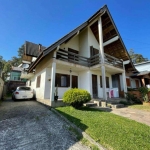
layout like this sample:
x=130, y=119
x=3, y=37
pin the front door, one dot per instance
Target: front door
x=74, y=81
x=116, y=84
x=94, y=86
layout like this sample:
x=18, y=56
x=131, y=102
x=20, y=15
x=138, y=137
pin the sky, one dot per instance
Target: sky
x=46, y=21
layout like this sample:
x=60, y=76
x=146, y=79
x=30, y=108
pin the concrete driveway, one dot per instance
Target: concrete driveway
x=28, y=125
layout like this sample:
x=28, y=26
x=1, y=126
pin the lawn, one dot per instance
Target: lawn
x=112, y=131
x=140, y=107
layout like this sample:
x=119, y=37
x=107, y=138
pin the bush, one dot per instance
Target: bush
x=76, y=97
x=132, y=99
x=132, y=89
x=124, y=102
x=144, y=91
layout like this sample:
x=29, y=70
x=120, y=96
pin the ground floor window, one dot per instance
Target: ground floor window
x=128, y=82
x=137, y=83
x=38, y=81
x=62, y=80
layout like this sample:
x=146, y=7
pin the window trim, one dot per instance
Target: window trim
x=58, y=80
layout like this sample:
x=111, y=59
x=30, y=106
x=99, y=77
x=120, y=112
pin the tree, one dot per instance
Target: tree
x=6, y=66
x=136, y=58
x=2, y=63
x=15, y=61
x=21, y=51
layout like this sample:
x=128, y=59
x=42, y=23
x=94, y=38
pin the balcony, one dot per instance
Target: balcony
x=88, y=62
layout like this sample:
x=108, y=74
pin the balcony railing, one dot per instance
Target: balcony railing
x=94, y=60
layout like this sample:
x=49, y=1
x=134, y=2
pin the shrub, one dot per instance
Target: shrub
x=76, y=97
x=124, y=102
x=144, y=91
x=132, y=99
x=132, y=89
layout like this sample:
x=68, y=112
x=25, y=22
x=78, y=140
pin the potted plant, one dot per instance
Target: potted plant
x=56, y=93
x=144, y=93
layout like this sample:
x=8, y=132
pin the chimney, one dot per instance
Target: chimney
x=40, y=48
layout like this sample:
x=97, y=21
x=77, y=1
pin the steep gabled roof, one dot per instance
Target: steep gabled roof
x=32, y=49
x=124, y=55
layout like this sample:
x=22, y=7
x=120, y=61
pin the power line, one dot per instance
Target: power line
x=136, y=41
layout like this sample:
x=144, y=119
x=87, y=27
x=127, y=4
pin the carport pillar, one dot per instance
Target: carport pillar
x=102, y=59
x=52, y=89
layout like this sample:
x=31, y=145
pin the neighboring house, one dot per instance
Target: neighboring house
x=15, y=74
x=144, y=73
x=31, y=53
x=14, y=80
x=91, y=57
x=144, y=66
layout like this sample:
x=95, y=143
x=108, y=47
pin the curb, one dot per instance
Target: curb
x=79, y=130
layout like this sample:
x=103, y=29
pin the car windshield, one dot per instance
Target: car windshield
x=24, y=88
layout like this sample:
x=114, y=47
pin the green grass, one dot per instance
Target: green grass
x=82, y=139
x=140, y=107
x=112, y=131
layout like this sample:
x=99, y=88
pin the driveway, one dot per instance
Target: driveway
x=29, y=125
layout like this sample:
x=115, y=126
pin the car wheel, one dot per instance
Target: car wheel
x=13, y=97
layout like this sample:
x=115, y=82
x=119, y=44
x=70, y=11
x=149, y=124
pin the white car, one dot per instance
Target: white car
x=22, y=92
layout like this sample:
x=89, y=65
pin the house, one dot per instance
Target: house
x=91, y=57
x=143, y=74
x=15, y=74
x=13, y=80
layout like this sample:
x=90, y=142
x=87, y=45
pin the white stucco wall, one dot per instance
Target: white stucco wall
x=85, y=80
x=40, y=90
x=47, y=83
x=92, y=40
x=61, y=90
x=73, y=43
x=33, y=59
x=133, y=83
x=83, y=40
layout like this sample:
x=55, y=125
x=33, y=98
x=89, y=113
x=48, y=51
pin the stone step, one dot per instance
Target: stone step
x=117, y=106
x=90, y=104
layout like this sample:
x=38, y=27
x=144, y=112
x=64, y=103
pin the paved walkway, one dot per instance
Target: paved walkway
x=134, y=114
x=28, y=125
